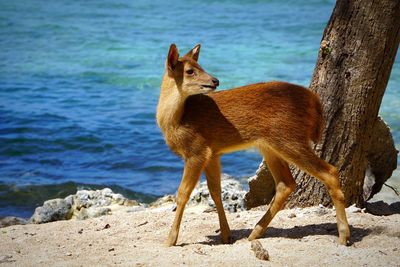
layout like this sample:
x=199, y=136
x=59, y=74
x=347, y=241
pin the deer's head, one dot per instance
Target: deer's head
x=189, y=77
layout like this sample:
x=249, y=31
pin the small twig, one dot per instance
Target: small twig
x=395, y=190
x=198, y=251
x=143, y=223
x=382, y=252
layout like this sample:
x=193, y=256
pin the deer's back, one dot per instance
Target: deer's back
x=273, y=111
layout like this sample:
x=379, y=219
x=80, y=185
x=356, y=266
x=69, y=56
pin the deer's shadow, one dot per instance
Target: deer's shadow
x=296, y=232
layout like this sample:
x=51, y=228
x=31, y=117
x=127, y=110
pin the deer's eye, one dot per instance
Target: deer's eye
x=190, y=72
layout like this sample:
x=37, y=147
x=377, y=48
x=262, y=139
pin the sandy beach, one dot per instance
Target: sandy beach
x=297, y=237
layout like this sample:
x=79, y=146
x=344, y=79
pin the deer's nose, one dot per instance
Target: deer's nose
x=215, y=81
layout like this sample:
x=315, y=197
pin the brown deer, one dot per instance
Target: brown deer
x=278, y=118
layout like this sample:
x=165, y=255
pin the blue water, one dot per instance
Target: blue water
x=79, y=83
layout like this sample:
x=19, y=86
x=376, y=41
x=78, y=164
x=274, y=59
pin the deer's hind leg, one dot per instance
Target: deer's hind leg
x=284, y=186
x=304, y=158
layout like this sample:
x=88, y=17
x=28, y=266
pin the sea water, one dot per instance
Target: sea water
x=79, y=84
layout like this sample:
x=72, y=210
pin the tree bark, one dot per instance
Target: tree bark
x=357, y=52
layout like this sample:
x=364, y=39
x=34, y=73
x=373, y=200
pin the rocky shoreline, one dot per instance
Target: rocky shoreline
x=86, y=204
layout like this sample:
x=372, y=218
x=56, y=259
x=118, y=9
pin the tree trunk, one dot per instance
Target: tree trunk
x=357, y=52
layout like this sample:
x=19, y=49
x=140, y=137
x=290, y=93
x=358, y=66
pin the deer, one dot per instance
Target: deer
x=278, y=118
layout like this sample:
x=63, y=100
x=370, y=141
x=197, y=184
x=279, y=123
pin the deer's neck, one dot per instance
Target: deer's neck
x=170, y=106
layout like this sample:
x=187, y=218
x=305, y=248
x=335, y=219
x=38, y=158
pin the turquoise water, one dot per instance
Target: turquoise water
x=79, y=82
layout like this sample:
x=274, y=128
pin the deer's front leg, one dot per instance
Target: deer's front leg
x=191, y=174
x=213, y=174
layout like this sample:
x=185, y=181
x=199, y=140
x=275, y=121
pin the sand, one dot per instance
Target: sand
x=299, y=237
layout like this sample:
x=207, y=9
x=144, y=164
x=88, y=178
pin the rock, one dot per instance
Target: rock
x=52, y=210
x=128, y=202
x=369, y=181
x=259, y=251
x=98, y=198
x=94, y=203
x=11, y=220
x=83, y=205
x=165, y=200
x=261, y=188
x=353, y=209
x=92, y=212
x=232, y=194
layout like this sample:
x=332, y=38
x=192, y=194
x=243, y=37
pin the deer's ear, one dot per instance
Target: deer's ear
x=172, y=58
x=194, y=53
